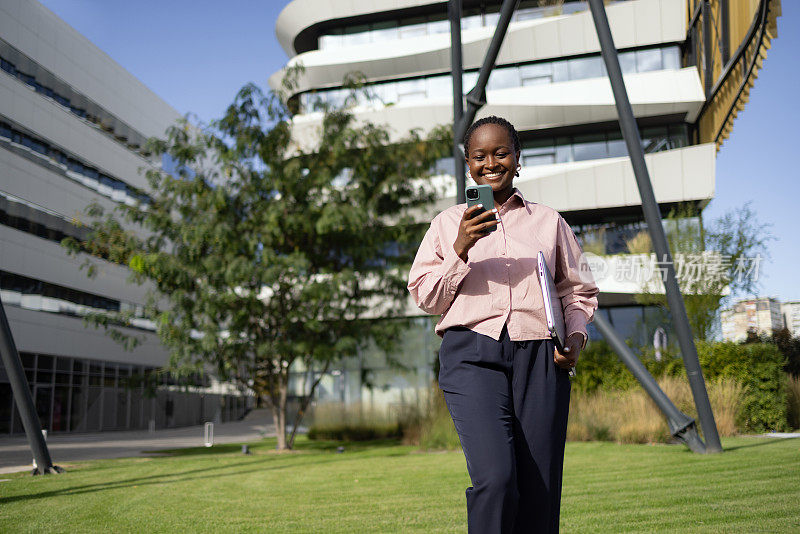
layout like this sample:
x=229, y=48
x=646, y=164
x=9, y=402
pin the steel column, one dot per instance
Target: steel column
x=681, y=426
x=708, y=49
x=456, y=71
x=476, y=98
x=652, y=215
x=23, y=398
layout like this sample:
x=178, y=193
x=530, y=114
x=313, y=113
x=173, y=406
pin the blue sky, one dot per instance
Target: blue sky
x=197, y=54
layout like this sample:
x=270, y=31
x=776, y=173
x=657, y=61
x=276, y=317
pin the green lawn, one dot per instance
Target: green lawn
x=385, y=487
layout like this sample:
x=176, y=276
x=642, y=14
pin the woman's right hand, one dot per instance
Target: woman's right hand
x=473, y=228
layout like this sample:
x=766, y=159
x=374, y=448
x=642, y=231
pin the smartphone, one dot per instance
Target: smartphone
x=481, y=194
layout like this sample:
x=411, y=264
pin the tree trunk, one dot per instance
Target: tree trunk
x=280, y=420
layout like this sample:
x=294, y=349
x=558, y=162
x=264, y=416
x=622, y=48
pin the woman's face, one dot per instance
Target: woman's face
x=492, y=160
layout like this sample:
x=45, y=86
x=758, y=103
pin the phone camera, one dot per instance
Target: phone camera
x=472, y=194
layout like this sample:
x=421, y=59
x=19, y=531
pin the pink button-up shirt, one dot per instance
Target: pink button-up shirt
x=499, y=285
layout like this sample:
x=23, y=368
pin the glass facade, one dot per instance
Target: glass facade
x=71, y=166
x=439, y=86
x=404, y=28
x=64, y=100
x=79, y=395
x=32, y=294
x=603, y=144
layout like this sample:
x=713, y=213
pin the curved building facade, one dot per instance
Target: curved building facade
x=73, y=124
x=688, y=67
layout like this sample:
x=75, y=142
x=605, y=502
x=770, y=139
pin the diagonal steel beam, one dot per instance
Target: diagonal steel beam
x=23, y=398
x=681, y=426
x=476, y=98
x=652, y=215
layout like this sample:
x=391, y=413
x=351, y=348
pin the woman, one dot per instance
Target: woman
x=506, y=387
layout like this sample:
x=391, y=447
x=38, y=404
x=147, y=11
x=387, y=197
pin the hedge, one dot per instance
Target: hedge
x=756, y=366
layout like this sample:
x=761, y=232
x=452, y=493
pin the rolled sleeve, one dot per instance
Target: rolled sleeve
x=574, y=282
x=436, y=274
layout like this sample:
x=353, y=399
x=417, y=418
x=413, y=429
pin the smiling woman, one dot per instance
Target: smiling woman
x=506, y=387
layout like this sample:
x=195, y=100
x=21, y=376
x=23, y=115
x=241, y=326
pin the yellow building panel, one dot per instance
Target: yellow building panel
x=729, y=57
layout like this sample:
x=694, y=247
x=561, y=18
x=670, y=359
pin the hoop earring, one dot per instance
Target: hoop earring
x=519, y=166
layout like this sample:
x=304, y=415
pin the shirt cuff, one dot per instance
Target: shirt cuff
x=583, y=335
x=455, y=270
x=576, y=322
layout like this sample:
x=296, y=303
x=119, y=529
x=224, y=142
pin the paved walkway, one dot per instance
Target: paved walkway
x=15, y=453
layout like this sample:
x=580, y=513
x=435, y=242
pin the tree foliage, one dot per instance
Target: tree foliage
x=265, y=257
x=735, y=239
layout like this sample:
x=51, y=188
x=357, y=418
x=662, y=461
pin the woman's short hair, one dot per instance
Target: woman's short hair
x=493, y=119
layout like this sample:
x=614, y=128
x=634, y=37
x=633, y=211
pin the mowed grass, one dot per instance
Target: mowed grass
x=386, y=487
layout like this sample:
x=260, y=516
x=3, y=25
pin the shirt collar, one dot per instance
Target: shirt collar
x=512, y=202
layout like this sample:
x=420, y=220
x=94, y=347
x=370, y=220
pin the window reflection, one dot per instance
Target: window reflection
x=439, y=86
x=439, y=24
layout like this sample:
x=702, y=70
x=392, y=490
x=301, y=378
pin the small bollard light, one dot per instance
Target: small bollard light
x=209, y=434
x=245, y=449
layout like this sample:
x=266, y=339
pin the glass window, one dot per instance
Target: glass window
x=590, y=147
x=5, y=408
x=469, y=80
x=384, y=31
x=616, y=145
x=491, y=19
x=563, y=150
x=503, y=78
x=416, y=28
x=671, y=58
x=586, y=67
x=536, y=74
x=440, y=87
x=627, y=62
x=538, y=152
x=648, y=60
x=411, y=90
x=356, y=35
x=438, y=26
x=532, y=158
x=560, y=71
x=471, y=18
x=332, y=40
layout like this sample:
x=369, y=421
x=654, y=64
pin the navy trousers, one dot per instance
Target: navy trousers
x=509, y=402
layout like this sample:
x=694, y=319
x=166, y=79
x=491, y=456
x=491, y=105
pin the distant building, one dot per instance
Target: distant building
x=791, y=317
x=73, y=125
x=688, y=66
x=761, y=315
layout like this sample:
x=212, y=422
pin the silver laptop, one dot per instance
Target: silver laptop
x=553, y=310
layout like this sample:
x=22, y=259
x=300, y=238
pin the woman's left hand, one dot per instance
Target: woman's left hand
x=572, y=350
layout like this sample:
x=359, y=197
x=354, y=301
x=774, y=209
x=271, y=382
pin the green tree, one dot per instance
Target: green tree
x=265, y=257
x=713, y=262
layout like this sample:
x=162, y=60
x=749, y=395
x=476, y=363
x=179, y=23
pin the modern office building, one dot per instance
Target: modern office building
x=762, y=316
x=73, y=126
x=688, y=66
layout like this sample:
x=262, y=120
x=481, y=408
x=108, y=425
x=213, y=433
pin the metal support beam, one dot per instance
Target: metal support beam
x=681, y=426
x=476, y=98
x=652, y=215
x=708, y=49
x=725, y=31
x=457, y=71
x=23, y=398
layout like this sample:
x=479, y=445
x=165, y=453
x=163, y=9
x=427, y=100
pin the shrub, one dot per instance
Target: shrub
x=357, y=422
x=758, y=367
x=793, y=402
x=630, y=416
